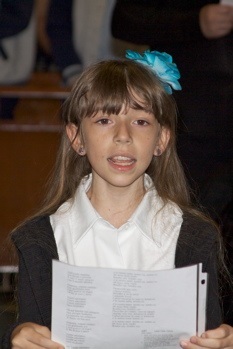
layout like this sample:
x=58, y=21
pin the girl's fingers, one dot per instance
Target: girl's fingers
x=37, y=343
x=219, y=338
x=33, y=336
x=220, y=332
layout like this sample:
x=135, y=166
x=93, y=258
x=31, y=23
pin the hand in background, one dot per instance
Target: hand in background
x=30, y=335
x=216, y=20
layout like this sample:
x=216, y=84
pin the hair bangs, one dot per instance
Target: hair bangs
x=111, y=86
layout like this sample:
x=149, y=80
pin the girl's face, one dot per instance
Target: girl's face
x=120, y=147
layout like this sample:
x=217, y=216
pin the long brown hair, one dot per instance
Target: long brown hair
x=107, y=86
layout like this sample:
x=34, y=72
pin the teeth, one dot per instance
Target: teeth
x=124, y=158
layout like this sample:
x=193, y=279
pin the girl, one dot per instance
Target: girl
x=118, y=197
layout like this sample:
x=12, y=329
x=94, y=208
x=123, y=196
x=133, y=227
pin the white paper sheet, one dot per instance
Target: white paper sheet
x=124, y=309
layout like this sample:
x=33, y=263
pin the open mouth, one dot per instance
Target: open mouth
x=122, y=160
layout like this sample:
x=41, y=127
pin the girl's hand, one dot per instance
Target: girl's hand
x=216, y=20
x=32, y=336
x=219, y=338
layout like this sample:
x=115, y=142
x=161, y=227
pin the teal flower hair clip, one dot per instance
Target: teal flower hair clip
x=161, y=64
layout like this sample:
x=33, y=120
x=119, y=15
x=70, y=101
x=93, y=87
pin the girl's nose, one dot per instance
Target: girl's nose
x=122, y=133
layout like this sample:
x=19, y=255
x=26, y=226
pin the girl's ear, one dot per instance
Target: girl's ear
x=162, y=142
x=75, y=138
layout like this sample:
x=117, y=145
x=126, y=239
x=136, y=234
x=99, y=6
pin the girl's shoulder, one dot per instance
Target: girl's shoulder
x=196, y=227
x=37, y=230
x=199, y=239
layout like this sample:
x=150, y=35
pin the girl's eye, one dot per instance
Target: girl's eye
x=104, y=121
x=141, y=122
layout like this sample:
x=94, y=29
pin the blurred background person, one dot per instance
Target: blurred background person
x=198, y=34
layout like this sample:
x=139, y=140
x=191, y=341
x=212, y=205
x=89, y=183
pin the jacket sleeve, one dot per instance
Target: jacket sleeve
x=36, y=249
x=27, y=306
x=199, y=242
x=214, y=309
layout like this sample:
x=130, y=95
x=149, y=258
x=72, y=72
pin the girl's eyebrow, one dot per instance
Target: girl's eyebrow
x=93, y=115
x=100, y=112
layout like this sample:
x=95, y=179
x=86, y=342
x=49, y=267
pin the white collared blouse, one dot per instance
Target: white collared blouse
x=147, y=241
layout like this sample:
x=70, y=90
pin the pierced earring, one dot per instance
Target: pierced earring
x=81, y=150
x=159, y=152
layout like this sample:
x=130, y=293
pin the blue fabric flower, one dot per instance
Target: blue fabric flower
x=162, y=65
